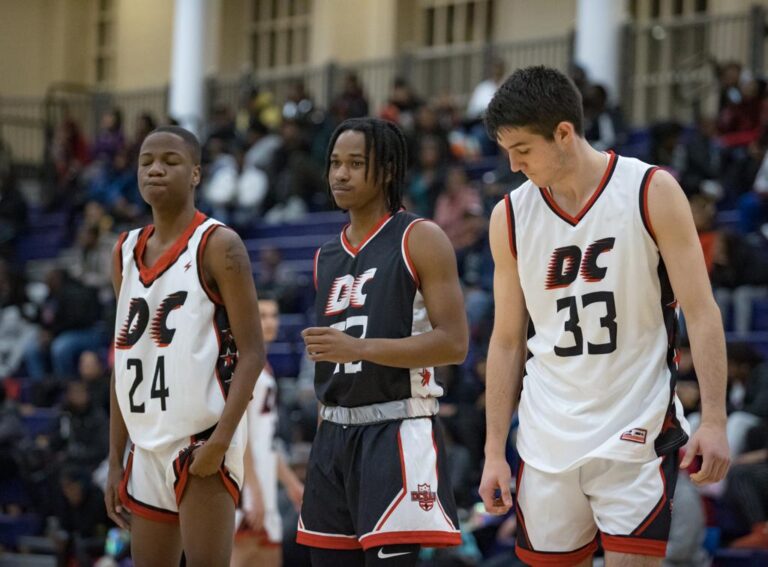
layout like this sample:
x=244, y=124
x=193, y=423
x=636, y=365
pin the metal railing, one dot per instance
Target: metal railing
x=666, y=73
x=669, y=65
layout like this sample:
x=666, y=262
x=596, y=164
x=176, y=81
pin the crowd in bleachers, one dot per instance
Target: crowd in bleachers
x=263, y=166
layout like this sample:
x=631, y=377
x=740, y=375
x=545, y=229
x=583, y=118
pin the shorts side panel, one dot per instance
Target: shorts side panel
x=405, y=461
x=554, y=517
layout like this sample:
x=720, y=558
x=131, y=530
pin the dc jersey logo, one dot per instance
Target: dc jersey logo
x=138, y=319
x=567, y=263
x=348, y=291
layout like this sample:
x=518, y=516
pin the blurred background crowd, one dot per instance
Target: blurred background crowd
x=263, y=160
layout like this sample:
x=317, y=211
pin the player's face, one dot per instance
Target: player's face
x=270, y=319
x=538, y=158
x=166, y=172
x=346, y=175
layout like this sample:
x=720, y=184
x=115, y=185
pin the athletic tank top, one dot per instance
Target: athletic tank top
x=601, y=374
x=371, y=291
x=174, y=350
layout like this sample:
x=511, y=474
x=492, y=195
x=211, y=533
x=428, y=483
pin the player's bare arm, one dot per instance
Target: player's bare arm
x=506, y=358
x=227, y=269
x=254, y=510
x=672, y=224
x=447, y=342
x=118, y=432
x=293, y=486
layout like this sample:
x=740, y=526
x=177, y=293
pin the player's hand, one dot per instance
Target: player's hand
x=115, y=510
x=710, y=442
x=254, y=510
x=330, y=345
x=295, y=492
x=494, y=486
x=207, y=459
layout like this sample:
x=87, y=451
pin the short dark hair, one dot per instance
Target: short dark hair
x=387, y=142
x=190, y=140
x=537, y=98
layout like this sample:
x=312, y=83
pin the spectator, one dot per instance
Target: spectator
x=603, y=125
x=702, y=159
x=16, y=328
x=262, y=145
x=277, y=280
x=459, y=210
x=402, y=105
x=13, y=207
x=11, y=432
x=145, y=123
x=297, y=183
x=96, y=378
x=70, y=324
x=484, y=91
x=351, y=103
x=83, y=435
x=110, y=139
x=82, y=518
x=747, y=490
x=426, y=178
x=68, y=152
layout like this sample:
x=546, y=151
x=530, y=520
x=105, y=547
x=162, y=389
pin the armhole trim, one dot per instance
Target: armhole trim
x=407, y=254
x=212, y=295
x=511, y=226
x=644, y=213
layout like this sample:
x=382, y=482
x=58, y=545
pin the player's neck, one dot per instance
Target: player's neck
x=362, y=220
x=581, y=174
x=169, y=225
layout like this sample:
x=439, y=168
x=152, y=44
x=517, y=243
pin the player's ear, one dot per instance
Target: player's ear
x=196, y=176
x=564, y=132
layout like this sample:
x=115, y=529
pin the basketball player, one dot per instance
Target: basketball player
x=595, y=250
x=260, y=534
x=188, y=350
x=389, y=309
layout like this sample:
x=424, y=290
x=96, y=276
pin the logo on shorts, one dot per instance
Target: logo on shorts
x=635, y=435
x=424, y=496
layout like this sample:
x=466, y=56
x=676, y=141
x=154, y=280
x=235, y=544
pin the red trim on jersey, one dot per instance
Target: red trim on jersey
x=148, y=275
x=536, y=558
x=427, y=538
x=355, y=249
x=408, y=260
x=646, y=214
x=118, y=254
x=327, y=541
x=405, y=485
x=314, y=267
x=600, y=188
x=140, y=508
x=636, y=545
x=510, y=226
x=212, y=295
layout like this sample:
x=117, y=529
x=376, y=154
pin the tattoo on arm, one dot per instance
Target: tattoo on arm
x=235, y=260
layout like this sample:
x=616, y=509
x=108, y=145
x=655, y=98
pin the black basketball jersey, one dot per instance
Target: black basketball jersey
x=371, y=291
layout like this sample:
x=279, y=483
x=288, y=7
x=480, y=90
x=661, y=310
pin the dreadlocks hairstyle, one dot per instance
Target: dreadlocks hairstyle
x=538, y=98
x=385, y=147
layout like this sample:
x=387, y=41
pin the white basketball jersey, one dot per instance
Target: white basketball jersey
x=174, y=350
x=600, y=379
